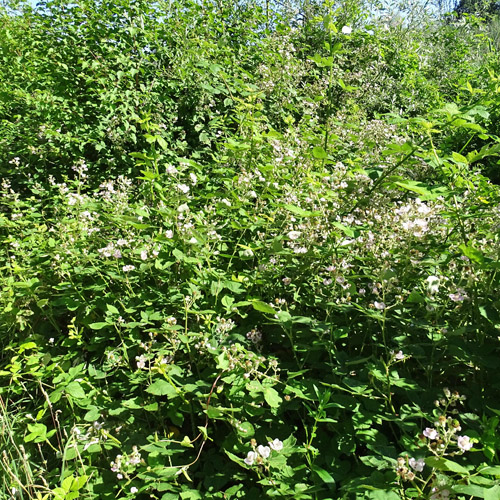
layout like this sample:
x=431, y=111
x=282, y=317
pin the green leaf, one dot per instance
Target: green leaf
x=59, y=494
x=382, y=495
x=162, y=142
x=319, y=152
x=79, y=483
x=284, y=317
x=446, y=465
x=492, y=493
x=38, y=433
x=272, y=397
x=112, y=309
x=470, y=489
x=459, y=158
x=75, y=390
x=67, y=483
x=485, y=151
x=191, y=495
x=415, y=298
x=472, y=253
x=322, y=62
x=323, y=474
x=162, y=388
x=258, y=305
x=235, y=458
x=300, y=212
x=227, y=301
x=148, y=175
x=416, y=187
x=245, y=429
x=98, y=326
x=186, y=442
x=346, y=230
x=490, y=471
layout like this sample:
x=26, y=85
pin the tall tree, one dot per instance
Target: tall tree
x=483, y=8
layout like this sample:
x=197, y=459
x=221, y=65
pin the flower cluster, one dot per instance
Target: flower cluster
x=261, y=453
x=124, y=465
x=93, y=435
x=438, y=438
x=403, y=467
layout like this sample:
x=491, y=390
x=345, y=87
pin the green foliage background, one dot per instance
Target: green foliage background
x=226, y=227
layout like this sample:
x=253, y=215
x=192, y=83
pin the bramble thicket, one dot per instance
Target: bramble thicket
x=249, y=250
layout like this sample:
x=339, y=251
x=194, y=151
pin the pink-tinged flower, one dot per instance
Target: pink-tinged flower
x=459, y=296
x=464, y=443
x=276, y=445
x=379, y=305
x=417, y=465
x=251, y=457
x=431, y=433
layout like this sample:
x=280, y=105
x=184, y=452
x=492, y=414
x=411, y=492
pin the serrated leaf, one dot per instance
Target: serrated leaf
x=261, y=306
x=67, y=483
x=75, y=390
x=272, y=397
x=59, y=493
x=162, y=388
